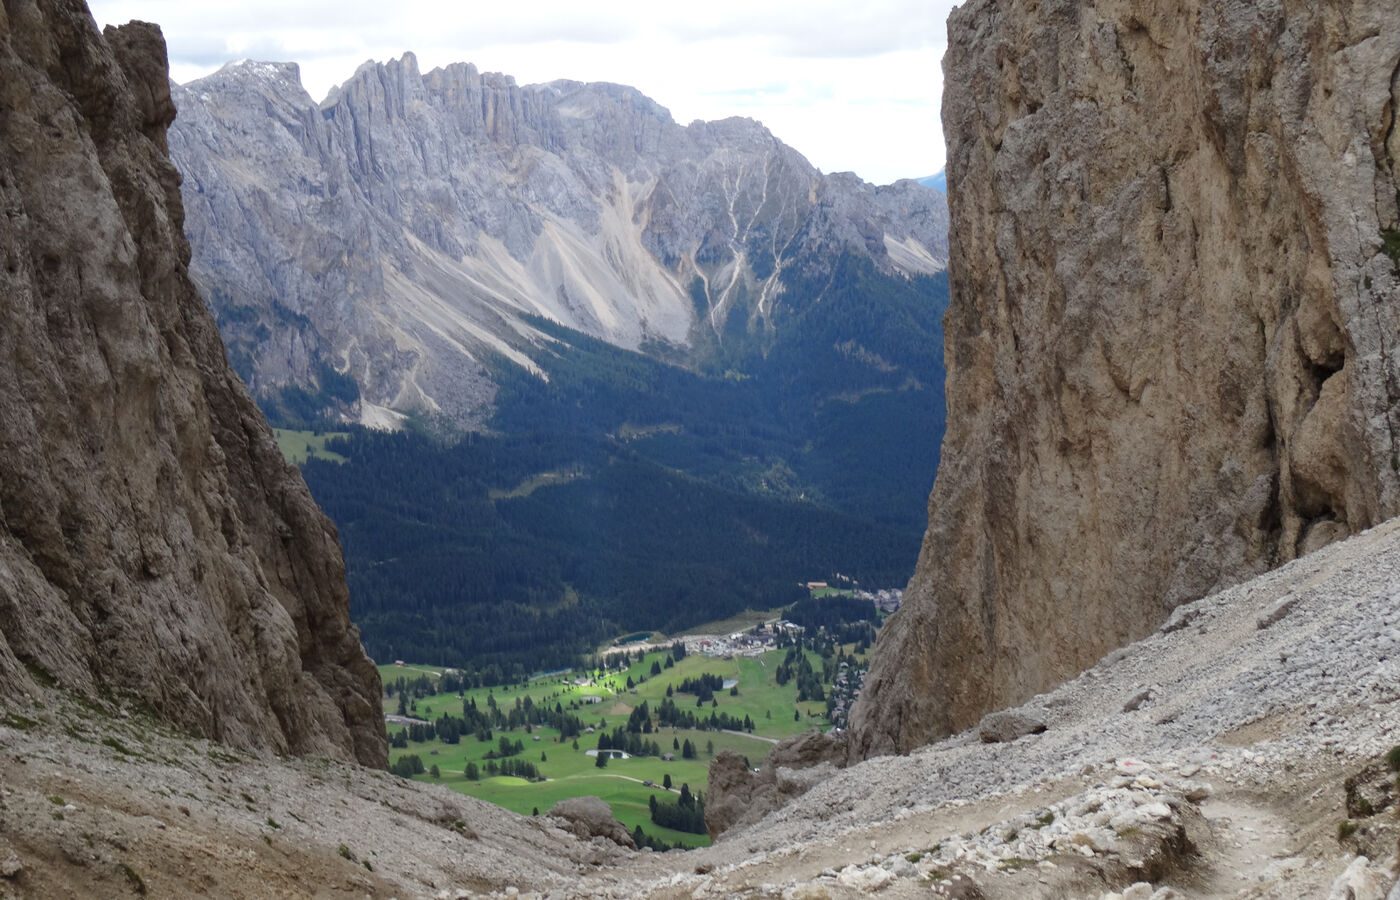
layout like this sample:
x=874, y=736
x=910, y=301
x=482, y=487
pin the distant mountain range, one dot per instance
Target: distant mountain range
x=381, y=253
x=938, y=182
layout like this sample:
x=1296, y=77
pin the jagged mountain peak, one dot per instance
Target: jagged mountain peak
x=401, y=232
x=250, y=76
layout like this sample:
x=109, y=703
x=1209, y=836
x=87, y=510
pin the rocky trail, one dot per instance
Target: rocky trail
x=1255, y=844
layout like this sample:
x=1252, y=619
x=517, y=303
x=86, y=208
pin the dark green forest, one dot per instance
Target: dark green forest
x=843, y=406
x=625, y=493
x=441, y=571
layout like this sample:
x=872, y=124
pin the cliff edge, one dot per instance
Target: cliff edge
x=1170, y=352
x=152, y=539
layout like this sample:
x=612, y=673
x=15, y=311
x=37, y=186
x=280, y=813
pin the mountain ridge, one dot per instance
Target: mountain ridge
x=938, y=182
x=397, y=232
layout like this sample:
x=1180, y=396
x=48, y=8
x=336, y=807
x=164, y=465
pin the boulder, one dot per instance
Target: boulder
x=589, y=817
x=1008, y=725
x=1359, y=881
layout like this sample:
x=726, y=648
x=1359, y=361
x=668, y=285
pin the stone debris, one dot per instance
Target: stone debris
x=1310, y=700
x=1275, y=613
x=1361, y=881
x=1140, y=699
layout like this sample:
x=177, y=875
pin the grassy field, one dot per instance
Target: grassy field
x=770, y=706
x=298, y=446
x=740, y=622
x=535, y=482
x=833, y=592
x=573, y=773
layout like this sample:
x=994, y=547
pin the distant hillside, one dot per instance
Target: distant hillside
x=938, y=182
x=525, y=552
x=563, y=265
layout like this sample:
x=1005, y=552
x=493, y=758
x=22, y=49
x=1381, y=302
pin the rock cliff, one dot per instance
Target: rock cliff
x=1171, y=348
x=153, y=543
x=400, y=233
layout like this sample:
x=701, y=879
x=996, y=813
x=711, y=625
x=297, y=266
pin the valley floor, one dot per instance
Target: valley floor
x=1209, y=760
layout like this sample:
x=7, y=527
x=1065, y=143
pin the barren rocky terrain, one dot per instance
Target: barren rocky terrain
x=1209, y=760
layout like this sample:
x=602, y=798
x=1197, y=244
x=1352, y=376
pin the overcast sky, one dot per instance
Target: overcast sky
x=852, y=85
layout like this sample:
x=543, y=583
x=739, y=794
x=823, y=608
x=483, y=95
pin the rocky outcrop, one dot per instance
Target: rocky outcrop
x=1009, y=724
x=589, y=817
x=153, y=542
x=401, y=233
x=739, y=795
x=1170, y=350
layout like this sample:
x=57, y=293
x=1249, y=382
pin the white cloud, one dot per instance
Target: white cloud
x=852, y=86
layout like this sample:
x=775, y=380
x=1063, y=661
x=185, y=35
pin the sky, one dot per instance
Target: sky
x=852, y=85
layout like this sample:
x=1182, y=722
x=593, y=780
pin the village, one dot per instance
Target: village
x=762, y=637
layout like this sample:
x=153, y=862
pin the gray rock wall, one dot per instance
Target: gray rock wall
x=153, y=542
x=1170, y=350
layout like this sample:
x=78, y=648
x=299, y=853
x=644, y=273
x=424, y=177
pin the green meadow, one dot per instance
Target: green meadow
x=773, y=710
x=299, y=446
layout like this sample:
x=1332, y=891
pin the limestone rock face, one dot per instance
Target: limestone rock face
x=152, y=539
x=1171, y=348
x=402, y=232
